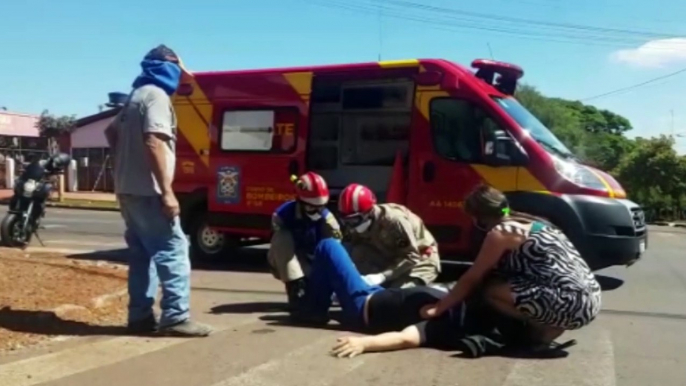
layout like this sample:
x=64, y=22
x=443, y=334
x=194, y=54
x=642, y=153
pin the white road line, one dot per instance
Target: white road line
x=590, y=363
x=288, y=370
x=58, y=365
x=57, y=220
x=52, y=226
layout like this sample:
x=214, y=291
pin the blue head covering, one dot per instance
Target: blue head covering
x=160, y=67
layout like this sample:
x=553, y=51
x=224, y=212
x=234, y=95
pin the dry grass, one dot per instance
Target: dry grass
x=32, y=289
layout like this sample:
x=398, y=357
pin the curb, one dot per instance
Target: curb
x=72, y=206
x=82, y=207
x=668, y=224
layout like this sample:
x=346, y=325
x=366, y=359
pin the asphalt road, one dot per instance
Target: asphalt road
x=638, y=339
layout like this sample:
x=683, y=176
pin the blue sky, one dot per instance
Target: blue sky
x=67, y=55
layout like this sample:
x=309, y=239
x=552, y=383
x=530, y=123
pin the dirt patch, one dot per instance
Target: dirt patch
x=46, y=295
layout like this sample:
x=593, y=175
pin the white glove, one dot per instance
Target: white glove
x=374, y=278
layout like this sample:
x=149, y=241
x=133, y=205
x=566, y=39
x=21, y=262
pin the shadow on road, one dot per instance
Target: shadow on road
x=47, y=323
x=284, y=321
x=249, y=308
x=244, y=260
x=608, y=283
x=254, y=260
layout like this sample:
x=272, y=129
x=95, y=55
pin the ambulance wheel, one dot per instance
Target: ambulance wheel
x=208, y=244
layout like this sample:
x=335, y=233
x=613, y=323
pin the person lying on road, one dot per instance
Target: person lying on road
x=374, y=309
x=528, y=270
x=388, y=243
x=298, y=226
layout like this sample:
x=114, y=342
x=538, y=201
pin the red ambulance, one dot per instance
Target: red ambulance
x=424, y=131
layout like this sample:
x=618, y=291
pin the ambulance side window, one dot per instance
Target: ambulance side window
x=456, y=129
x=272, y=130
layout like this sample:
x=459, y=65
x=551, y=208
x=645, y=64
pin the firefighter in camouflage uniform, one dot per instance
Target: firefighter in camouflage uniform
x=388, y=243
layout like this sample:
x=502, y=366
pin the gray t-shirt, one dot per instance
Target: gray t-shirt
x=149, y=110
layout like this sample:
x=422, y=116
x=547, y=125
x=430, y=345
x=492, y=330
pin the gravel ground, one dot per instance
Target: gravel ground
x=44, y=296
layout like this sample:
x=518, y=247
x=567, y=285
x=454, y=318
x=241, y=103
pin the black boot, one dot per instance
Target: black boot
x=299, y=313
x=295, y=290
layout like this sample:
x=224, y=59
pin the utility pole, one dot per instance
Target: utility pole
x=380, y=31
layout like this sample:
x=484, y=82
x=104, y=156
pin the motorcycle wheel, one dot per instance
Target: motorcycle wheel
x=9, y=230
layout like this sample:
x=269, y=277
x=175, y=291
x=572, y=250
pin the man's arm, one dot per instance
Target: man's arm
x=349, y=347
x=157, y=131
x=406, y=245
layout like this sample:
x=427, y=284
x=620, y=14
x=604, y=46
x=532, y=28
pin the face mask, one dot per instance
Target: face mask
x=314, y=216
x=363, y=226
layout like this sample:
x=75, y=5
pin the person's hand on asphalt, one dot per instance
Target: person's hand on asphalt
x=429, y=311
x=170, y=205
x=348, y=347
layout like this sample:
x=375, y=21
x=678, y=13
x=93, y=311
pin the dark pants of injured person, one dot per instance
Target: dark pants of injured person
x=389, y=309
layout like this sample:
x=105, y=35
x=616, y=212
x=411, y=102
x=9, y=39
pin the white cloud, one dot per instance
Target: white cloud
x=655, y=53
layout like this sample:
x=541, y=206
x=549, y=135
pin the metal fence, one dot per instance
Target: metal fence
x=22, y=150
x=94, y=169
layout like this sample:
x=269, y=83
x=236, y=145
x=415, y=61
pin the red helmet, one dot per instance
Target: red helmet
x=311, y=189
x=356, y=199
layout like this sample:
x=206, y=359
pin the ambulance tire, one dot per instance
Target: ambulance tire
x=207, y=245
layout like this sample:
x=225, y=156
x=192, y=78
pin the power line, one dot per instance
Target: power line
x=586, y=34
x=628, y=88
x=410, y=4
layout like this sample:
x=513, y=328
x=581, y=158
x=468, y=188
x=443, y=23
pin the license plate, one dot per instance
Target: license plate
x=642, y=247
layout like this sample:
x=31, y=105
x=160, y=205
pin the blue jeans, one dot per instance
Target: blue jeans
x=334, y=272
x=158, y=253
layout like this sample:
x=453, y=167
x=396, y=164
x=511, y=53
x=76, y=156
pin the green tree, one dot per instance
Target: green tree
x=650, y=170
x=654, y=174
x=52, y=127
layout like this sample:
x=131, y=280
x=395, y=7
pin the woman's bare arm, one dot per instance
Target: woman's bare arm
x=495, y=244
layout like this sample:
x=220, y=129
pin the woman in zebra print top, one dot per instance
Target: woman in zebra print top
x=527, y=269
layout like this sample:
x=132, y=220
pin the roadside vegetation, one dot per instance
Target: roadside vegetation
x=649, y=169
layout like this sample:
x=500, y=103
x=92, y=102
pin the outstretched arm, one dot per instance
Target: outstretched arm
x=493, y=248
x=352, y=346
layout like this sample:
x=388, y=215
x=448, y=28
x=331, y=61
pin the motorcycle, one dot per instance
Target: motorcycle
x=27, y=206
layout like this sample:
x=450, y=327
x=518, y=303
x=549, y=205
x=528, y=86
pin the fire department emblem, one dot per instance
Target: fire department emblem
x=228, y=185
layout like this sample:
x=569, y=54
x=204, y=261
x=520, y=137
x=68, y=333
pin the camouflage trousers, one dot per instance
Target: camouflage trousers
x=286, y=265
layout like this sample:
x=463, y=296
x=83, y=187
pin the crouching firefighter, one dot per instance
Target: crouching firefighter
x=389, y=244
x=298, y=226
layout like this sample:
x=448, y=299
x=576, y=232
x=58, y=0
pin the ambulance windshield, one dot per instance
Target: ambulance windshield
x=533, y=126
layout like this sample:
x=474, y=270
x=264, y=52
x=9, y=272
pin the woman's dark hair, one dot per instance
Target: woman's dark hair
x=487, y=202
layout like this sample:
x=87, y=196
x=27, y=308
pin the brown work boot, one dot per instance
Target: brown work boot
x=187, y=328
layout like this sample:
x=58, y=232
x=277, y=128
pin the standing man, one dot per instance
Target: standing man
x=142, y=139
x=388, y=243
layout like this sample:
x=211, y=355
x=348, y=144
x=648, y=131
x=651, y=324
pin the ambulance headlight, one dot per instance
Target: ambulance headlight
x=579, y=174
